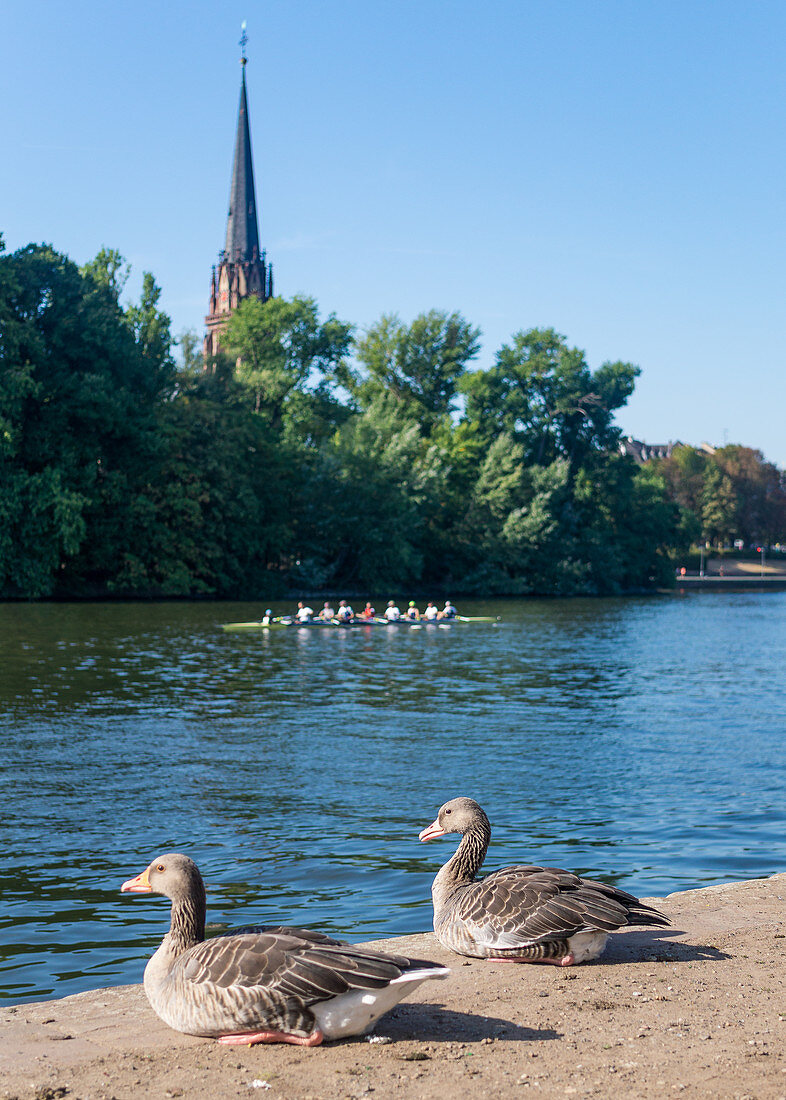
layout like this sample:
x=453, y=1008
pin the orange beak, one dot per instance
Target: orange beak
x=434, y=831
x=138, y=885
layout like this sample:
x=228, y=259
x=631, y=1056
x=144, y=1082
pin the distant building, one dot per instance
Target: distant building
x=242, y=269
x=642, y=452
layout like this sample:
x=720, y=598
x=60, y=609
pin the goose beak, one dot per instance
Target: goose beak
x=138, y=885
x=434, y=831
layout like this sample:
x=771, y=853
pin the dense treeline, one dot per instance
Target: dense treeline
x=307, y=457
x=725, y=495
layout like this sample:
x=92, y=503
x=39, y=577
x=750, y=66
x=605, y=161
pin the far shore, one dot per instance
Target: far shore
x=731, y=573
x=698, y=1009
x=731, y=582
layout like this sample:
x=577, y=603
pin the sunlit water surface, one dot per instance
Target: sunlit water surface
x=638, y=740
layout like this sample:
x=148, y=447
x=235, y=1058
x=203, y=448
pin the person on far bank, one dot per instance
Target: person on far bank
x=345, y=613
x=304, y=614
x=327, y=612
x=412, y=611
x=448, y=611
x=392, y=613
x=431, y=613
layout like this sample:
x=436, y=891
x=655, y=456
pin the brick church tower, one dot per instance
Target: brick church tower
x=242, y=269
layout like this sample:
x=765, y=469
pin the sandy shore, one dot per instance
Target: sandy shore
x=696, y=1011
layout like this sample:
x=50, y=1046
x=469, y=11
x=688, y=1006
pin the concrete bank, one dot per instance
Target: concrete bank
x=698, y=1010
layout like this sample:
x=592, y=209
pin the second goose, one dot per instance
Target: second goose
x=522, y=913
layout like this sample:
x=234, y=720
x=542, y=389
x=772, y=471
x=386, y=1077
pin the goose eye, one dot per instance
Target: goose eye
x=448, y=811
x=161, y=867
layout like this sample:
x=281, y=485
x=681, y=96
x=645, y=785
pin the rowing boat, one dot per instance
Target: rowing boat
x=286, y=621
x=335, y=624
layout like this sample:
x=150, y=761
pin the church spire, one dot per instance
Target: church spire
x=243, y=269
x=242, y=239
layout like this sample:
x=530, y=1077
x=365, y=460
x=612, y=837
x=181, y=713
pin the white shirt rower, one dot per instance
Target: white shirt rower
x=345, y=612
x=431, y=612
x=392, y=613
x=304, y=614
x=448, y=611
x=327, y=612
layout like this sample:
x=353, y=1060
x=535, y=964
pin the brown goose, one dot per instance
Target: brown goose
x=523, y=913
x=263, y=985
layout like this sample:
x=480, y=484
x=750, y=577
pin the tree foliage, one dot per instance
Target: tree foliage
x=727, y=494
x=543, y=393
x=300, y=458
x=416, y=367
x=280, y=346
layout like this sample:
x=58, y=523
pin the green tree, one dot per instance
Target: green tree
x=718, y=506
x=732, y=492
x=110, y=270
x=77, y=404
x=544, y=395
x=760, y=490
x=515, y=522
x=683, y=473
x=366, y=507
x=214, y=513
x=151, y=328
x=192, y=360
x=626, y=526
x=280, y=346
x=417, y=366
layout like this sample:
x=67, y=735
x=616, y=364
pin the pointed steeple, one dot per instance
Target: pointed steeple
x=242, y=241
x=243, y=269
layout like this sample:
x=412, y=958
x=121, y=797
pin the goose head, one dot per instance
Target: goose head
x=174, y=875
x=460, y=815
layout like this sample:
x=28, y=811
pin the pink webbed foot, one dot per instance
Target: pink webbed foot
x=566, y=960
x=249, y=1038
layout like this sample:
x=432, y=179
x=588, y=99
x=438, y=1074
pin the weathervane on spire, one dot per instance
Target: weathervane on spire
x=243, y=41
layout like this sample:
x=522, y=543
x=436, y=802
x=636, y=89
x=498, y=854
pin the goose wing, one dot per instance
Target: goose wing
x=289, y=963
x=525, y=905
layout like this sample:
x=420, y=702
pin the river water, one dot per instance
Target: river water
x=636, y=740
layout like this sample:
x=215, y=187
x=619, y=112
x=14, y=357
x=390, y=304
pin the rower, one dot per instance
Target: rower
x=267, y=618
x=448, y=611
x=345, y=613
x=327, y=612
x=392, y=613
x=431, y=613
x=304, y=614
x=368, y=612
x=412, y=611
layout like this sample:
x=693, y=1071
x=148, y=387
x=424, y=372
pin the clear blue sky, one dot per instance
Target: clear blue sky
x=615, y=170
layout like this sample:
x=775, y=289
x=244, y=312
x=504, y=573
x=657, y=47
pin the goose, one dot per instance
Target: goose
x=259, y=984
x=521, y=913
